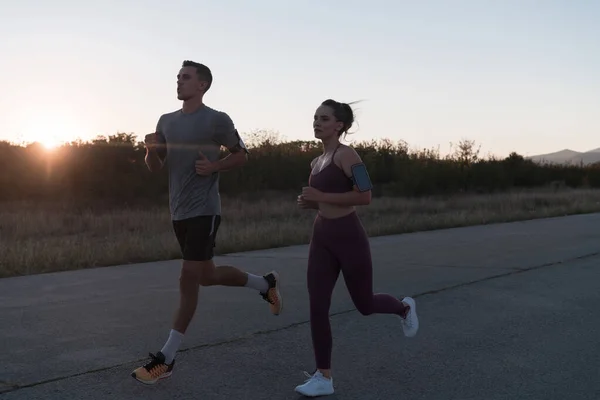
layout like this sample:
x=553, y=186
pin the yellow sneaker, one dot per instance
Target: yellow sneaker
x=154, y=370
x=273, y=296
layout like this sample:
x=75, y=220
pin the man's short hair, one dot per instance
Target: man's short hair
x=202, y=71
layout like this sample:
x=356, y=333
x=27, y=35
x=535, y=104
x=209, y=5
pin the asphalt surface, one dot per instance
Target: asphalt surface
x=507, y=311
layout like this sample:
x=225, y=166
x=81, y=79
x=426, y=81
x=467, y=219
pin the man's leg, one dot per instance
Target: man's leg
x=204, y=273
x=227, y=275
x=196, y=238
x=199, y=269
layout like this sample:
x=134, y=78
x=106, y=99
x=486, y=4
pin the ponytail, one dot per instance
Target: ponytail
x=343, y=113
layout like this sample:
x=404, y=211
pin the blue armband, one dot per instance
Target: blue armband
x=361, y=178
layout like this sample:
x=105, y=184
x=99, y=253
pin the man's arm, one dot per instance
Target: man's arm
x=154, y=159
x=237, y=157
x=156, y=149
x=348, y=158
x=227, y=135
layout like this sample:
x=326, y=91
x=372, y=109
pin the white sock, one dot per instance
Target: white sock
x=170, y=348
x=257, y=282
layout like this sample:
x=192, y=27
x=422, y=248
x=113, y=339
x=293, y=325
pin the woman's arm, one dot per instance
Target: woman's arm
x=307, y=205
x=303, y=203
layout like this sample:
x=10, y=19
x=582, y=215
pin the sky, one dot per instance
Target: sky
x=512, y=75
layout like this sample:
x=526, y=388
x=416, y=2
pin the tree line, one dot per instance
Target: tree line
x=110, y=170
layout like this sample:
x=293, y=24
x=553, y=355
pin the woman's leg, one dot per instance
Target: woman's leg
x=357, y=269
x=322, y=274
x=354, y=254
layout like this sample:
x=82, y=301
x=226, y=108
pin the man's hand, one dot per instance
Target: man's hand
x=151, y=141
x=311, y=194
x=204, y=166
x=154, y=157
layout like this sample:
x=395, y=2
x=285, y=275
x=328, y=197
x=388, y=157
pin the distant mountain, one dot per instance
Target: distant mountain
x=567, y=156
x=558, y=157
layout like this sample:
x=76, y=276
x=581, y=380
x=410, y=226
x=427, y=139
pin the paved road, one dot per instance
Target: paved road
x=507, y=311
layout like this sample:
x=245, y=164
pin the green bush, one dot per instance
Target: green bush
x=111, y=170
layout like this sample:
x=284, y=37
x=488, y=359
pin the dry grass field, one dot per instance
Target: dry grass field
x=38, y=238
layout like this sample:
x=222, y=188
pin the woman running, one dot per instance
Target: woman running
x=338, y=182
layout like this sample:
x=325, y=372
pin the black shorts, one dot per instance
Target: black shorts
x=197, y=236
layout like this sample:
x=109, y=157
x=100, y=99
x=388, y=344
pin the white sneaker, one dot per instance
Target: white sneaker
x=316, y=385
x=410, y=324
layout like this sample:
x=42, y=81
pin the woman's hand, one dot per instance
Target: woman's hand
x=311, y=194
x=304, y=204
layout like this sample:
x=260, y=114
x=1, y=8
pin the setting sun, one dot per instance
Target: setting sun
x=51, y=130
x=49, y=144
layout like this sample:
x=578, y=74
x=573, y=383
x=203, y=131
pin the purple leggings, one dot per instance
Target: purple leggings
x=341, y=244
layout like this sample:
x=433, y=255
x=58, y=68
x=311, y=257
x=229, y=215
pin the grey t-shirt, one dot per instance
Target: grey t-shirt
x=185, y=135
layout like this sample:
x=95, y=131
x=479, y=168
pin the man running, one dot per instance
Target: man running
x=188, y=141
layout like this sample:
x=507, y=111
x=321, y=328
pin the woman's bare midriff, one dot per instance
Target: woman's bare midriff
x=330, y=211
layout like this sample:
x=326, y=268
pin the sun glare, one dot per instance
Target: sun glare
x=49, y=144
x=51, y=130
